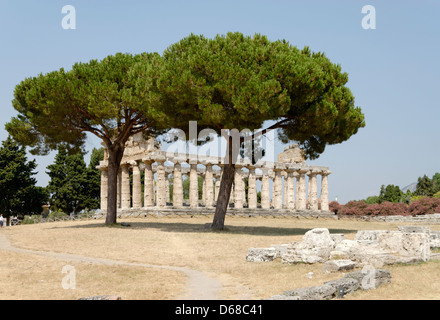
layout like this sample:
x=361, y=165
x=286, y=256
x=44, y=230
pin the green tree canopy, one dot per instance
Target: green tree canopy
x=424, y=187
x=97, y=97
x=93, y=181
x=68, y=182
x=239, y=82
x=390, y=193
x=19, y=194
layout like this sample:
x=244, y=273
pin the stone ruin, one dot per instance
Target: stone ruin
x=369, y=249
x=291, y=191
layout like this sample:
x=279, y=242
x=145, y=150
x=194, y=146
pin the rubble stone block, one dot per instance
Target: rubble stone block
x=324, y=292
x=338, y=265
x=261, y=254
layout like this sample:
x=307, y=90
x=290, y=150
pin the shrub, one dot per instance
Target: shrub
x=424, y=206
x=416, y=198
x=360, y=208
x=31, y=219
x=354, y=208
x=389, y=208
x=373, y=209
x=334, y=206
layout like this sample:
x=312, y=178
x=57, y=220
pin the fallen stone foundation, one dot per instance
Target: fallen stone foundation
x=370, y=250
x=369, y=247
x=358, y=280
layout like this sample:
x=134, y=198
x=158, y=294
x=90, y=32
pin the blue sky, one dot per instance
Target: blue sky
x=392, y=69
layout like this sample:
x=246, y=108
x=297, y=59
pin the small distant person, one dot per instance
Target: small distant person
x=1, y=221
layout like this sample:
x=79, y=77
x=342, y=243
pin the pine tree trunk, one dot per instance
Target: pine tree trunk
x=224, y=193
x=114, y=161
x=223, y=197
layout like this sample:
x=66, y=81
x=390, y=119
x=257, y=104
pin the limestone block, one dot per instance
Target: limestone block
x=364, y=252
x=367, y=234
x=434, y=241
x=315, y=246
x=414, y=229
x=338, y=265
x=281, y=248
x=370, y=278
x=323, y=292
x=292, y=154
x=337, y=237
x=434, y=236
x=284, y=297
x=261, y=254
x=344, y=285
x=415, y=245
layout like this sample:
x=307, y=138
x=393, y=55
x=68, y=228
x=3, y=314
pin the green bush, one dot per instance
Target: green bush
x=417, y=198
x=31, y=219
x=57, y=215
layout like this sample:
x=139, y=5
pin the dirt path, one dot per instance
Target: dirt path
x=199, y=285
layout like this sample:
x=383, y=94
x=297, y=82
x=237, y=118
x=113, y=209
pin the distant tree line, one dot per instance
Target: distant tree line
x=73, y=186
x=393, y=201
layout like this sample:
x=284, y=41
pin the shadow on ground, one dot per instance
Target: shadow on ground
x=205, y=228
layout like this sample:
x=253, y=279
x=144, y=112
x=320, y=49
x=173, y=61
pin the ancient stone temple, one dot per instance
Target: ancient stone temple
x=294, y=187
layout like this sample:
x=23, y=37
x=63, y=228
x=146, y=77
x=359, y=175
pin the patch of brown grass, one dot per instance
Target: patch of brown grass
x=185, y=242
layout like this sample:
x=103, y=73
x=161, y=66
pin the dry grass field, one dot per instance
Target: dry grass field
x=185, y=242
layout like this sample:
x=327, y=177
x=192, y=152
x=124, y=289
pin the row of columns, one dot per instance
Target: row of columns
x=295, y=197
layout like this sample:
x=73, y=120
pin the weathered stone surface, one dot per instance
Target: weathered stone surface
x=323, y=292
x=434, y=240
x=315, y=246
x=261, y=254
x=370, y=278
x=281, y=248
x=344, y=285
x=406, y=244
x=284, y=297
x=337, y=237
x=360, y=251
x=367, y=234
x=414, y=229
x=338, y=265
x=105, y=297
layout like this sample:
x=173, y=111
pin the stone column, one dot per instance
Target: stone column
x=265, y=193
x=252, y=189
x=218, y=180
x=167, y=187
x=177, y=185
x=161, y=183
x=104, y=188
x=203, y=175
x=209, y=198
x=313, y=190
x=324, y=191
x=278, y=188
x=137, y=187
x=232, y=195
x=125, y=187
x=119, y=188
x=148, y=184
x=301, y=185
x=193, y=185
x=284, y=198
x=290, y=196
x=238, y=180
